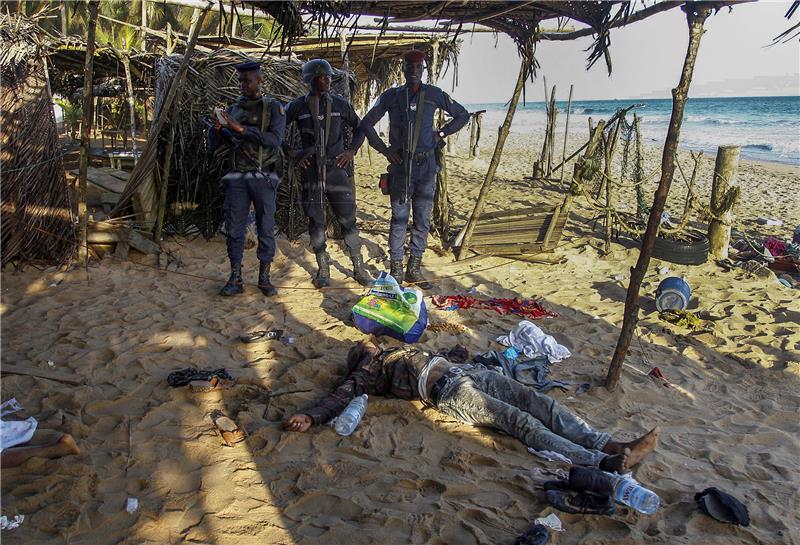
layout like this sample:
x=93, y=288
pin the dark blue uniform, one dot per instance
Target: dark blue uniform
x=339, y=188
x=248, y=181
x=401, y=103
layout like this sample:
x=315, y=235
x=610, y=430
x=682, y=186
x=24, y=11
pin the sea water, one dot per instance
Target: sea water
x=766, y=128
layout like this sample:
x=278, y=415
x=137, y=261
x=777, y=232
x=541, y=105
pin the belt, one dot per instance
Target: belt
x=445, y=379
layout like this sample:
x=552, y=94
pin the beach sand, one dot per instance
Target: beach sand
x=408, y=474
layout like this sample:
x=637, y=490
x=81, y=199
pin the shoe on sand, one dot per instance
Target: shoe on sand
x=230, y=432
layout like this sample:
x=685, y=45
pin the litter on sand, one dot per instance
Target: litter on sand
x=551, y=521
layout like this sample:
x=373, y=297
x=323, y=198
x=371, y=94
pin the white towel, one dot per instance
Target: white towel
x=16, y=432
x=533, y=342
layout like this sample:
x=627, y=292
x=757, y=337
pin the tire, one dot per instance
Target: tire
x=693, y=252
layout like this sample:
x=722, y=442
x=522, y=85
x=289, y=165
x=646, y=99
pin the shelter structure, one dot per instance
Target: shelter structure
x=36, y=202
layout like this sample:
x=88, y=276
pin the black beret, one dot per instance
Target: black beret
x=248, y=66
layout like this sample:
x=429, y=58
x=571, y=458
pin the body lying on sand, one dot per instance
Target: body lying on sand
x=475, y=395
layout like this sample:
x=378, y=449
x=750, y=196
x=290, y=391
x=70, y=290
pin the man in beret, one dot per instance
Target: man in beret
x=411, y=153
x=251, y=131
x=323, y=115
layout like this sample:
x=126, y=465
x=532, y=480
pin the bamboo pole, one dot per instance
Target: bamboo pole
x=552, y=132
x=566, y=133
x=164, y=185
x=498, y=151
x=609, y=147
x=696, y=14
x=722, y=201
x=86, y=127
x=473, y=133
x=126, y=63
x=63, y=10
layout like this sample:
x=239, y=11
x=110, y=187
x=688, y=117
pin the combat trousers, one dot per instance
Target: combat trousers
x=340, y=192
x=242, y=188
x=421, y=192
x=486, y=398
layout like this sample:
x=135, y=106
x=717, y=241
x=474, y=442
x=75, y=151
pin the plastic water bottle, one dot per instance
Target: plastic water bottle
x=351, y=415
x=511, y=353
x=629, y=492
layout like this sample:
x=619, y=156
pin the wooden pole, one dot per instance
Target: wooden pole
x=63, y=9
x=696, y=14
x=610, y=146
x=723, y=199
x=164, y=185
x=86, y=128
x=144, y=21
x=552, y=132
x=498, y=151
x=566, y=133
x=473, y=133
x=126, y=63
x=345, y=64
x=441, y=208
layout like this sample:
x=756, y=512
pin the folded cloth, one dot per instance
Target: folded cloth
x=530, y=372
x=16, y=432
x=533, y=342
x=185, y=376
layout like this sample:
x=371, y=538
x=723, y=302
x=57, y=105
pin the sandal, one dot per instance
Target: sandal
x=230, y=432
x=214, y=383
x=260, y=336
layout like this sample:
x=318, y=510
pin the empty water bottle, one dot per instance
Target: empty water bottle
x=629, y=492
x=351, y=415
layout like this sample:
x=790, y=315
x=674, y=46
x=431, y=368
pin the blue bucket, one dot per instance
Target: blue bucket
x=673, y=293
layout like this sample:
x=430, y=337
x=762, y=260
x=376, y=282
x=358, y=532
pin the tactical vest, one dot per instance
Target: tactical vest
x=250, y=156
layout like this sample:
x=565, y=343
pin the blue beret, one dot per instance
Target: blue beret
x=248, y=66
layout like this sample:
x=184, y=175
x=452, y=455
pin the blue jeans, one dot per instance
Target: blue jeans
x=486, y=398
x=242, y=188
x=421, y=192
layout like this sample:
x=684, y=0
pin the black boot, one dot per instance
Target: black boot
x=264, y=283
x=396, y=270
x=414, y=275
x=323, y=277
x=359, y=272
x=235, y=285
x=580, y=503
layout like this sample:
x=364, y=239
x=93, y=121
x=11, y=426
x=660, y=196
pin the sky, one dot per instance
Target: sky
x=647, y=59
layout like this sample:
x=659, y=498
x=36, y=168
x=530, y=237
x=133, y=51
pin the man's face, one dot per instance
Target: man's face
x=250, y=83
x=321, y=84
x=413, y=72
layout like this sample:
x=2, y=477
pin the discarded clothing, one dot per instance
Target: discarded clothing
x=533, y=342
x=541, y=475
x=16, y=432
x=684, y=318
x=185, y=376
x=550, y=455
x=551, y=521
x=658, y=377
x=530, y=372
x=10, y=524
x=10, y=406
x=775, y=246
x=526, y=308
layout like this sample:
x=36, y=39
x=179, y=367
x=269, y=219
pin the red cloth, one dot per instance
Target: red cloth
x=414, y=55
x=659, y=377
x=527, y=308
x=775, y=246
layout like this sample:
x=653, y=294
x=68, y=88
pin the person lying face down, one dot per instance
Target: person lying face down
x=475, y=395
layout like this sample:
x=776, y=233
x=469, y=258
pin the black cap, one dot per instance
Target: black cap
x=248, y=66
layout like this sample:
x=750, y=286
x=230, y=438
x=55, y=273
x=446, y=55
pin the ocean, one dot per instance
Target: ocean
x=766, y=128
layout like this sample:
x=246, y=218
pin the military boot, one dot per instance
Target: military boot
x=235, y=285
x=414, y=275
x=396, y=270
x=323, y=277
x=264, y=283
x=359, y=272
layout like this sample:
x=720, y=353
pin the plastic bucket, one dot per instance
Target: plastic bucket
x=673, y=293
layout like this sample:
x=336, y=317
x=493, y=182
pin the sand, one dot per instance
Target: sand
x=408, y=474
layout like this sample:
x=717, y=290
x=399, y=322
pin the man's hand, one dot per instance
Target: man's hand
x=304, y=163
x=234, y=125
x=298, y=422
x=345, y=157
x=393, y=157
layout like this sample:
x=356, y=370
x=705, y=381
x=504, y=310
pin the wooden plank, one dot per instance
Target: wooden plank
x=116, y=173
x=551, y=227
x=508, y=248
x=517, y=212
x=103, y=180
x=529, y=226
x=142, y=243
x=107, y=237
x=11, y=369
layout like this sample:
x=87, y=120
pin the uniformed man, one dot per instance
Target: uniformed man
x=252, y=131
x=323, y=158
x=411, y=154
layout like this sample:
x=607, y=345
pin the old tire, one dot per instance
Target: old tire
x=691, y=252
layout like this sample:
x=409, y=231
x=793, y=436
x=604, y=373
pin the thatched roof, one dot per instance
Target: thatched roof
x=518, y=19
